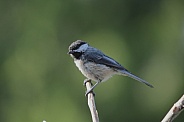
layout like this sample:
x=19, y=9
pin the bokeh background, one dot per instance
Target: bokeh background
x=39, y=81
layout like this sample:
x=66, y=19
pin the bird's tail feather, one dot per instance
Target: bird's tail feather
x=126, y=73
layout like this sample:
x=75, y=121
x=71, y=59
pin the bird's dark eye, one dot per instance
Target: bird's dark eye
x=74, y=47
x=77, y=55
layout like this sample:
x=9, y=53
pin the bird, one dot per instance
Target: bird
x=97, y=66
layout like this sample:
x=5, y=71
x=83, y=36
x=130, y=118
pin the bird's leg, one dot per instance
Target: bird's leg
x=91, y=90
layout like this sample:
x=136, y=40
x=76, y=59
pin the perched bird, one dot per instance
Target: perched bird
x=97, y=66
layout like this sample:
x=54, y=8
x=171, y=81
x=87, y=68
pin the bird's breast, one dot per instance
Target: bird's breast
x=96, y=72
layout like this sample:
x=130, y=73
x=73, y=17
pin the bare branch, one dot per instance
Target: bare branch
x=177, y=108
x=91, y=103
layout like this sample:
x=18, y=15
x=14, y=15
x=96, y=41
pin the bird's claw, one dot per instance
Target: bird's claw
x=90, y=91
x=87, y=80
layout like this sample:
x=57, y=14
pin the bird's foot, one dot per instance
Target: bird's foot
x=90, y=91
x=87, y=80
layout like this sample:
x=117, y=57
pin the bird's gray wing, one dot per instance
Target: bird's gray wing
x=99, y=58
x=110, y=62
x=94, y=55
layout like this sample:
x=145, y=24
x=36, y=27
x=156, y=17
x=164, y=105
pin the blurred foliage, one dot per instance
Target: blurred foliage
x=39, y=81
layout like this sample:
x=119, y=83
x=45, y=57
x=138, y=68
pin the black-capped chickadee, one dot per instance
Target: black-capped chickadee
x=97, y=66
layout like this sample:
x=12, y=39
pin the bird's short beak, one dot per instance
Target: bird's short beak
x=70, y=52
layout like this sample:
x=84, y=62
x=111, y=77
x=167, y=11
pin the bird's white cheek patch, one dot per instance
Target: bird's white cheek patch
x=72, y=56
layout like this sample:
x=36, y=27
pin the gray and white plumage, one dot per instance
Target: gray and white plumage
x=97, y=66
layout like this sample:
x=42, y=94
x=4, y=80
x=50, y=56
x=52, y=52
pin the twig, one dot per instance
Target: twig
x=91, y=103
x=175, y=110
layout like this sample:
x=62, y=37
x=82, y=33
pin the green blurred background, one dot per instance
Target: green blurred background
x=39, y=81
